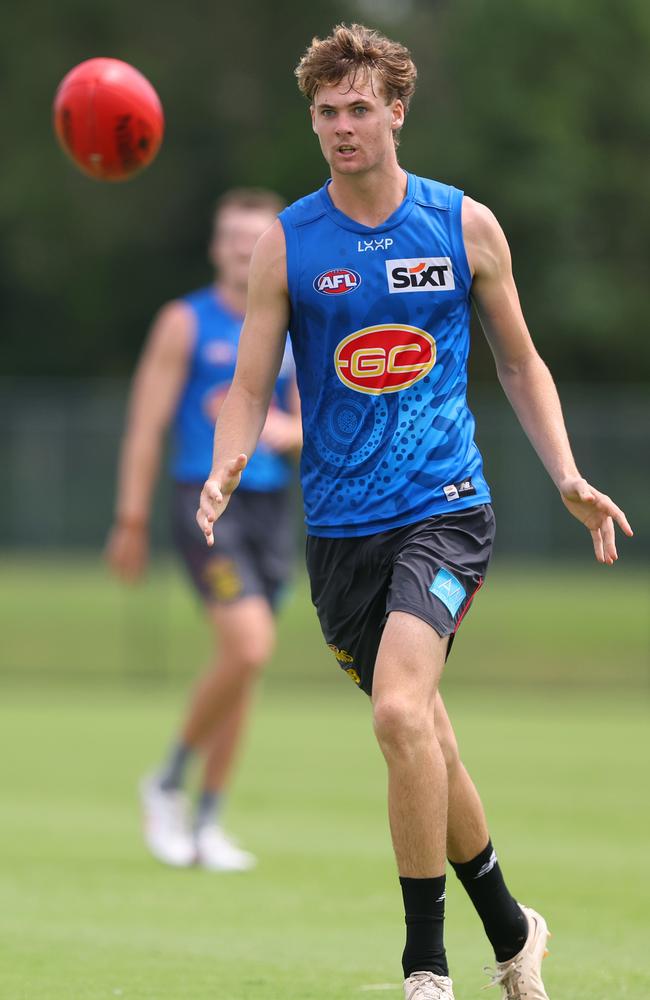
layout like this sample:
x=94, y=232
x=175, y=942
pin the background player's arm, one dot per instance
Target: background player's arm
x=527, y=381
x=261, y=347
x=282, y=431
x=158, y=381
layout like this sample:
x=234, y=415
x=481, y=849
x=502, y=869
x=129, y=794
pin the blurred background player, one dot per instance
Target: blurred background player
x=183, y=375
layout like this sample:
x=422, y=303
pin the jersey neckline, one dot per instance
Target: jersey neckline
x=399, y=215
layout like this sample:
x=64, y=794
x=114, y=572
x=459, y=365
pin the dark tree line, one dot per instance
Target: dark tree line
x=540, y=108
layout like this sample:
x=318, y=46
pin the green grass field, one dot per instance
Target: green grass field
x=551, y=708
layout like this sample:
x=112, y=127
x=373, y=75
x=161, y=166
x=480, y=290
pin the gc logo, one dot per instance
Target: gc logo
x=384, y=358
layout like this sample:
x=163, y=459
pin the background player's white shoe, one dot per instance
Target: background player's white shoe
x=428, y=986
x=521, y=976
x=166, y=826
x=218, y=853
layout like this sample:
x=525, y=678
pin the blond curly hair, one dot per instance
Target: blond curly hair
x=351, y=50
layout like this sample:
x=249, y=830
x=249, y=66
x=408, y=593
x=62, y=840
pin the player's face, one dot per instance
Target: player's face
x=236, y=232
x=355, y=125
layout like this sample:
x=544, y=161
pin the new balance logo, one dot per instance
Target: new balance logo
x=454, y=491
x=488, y=866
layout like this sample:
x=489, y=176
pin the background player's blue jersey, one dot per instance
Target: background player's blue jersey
x=211, y=370
x=380, y=335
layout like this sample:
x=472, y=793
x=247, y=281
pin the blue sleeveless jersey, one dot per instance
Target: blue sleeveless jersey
x=211, y=370
x=380, y=335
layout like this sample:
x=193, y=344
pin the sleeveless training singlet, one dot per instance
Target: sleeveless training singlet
x=211, y=370
x=380, y=335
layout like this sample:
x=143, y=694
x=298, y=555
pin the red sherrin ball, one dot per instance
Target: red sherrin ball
x=108, y=119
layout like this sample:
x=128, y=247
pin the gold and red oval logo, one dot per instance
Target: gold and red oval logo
x=384, y=358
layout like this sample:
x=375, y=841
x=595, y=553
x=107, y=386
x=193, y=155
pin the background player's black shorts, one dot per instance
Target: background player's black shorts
x=431, y=569
x=254, y=545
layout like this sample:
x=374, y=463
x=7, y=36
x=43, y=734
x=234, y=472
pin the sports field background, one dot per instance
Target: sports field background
x=547, y=624
x=548, y=686
x=538, y=110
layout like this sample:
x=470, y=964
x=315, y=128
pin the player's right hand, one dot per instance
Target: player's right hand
x=216, y=493
x=127, y=550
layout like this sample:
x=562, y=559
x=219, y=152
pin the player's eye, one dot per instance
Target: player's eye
x=360, y=110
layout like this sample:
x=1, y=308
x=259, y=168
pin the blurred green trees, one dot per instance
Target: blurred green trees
x=540, y=108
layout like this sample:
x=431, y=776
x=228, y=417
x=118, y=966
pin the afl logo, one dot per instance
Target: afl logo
x=337, y=281
x=384, y=358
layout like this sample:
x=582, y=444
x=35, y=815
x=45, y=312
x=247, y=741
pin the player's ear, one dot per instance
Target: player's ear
x=312, y=112
x=398, y=115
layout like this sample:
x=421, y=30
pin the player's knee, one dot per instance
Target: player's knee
x=255, y=648
x=400, y=725
x=254, y=654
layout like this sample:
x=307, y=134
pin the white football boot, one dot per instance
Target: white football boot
x=217, y=852
x=166, y=825
x=520, y=978
x=428, y=986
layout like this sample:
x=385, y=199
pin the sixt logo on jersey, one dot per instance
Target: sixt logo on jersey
x=384, y=358
x=337, y=281
x=420, y=274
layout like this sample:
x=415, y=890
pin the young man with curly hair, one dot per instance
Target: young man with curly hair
x=374, y=275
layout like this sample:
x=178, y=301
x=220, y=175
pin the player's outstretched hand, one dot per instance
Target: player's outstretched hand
x=216, y=493
x=598, y=513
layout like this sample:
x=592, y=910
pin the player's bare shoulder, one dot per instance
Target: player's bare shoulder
x=173, y=331
x=269, y=262
x=267, y=305
x=485, y=242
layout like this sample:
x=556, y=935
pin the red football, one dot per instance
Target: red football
x=108, y=119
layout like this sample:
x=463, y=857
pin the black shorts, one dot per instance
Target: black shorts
x=254, y=542
x=431, y=569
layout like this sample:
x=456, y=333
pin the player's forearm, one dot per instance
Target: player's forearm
x=239, y=425
x=530, y=388
x=138, y=472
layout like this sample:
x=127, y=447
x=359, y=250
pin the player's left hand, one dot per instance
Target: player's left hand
x=598, y=513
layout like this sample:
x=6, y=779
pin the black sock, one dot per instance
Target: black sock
x=503, y=919
x=171, y=775
x=424, y=906
x=207, y=807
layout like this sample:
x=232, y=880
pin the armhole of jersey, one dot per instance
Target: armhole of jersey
x=293, y=261
x=457, y=240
